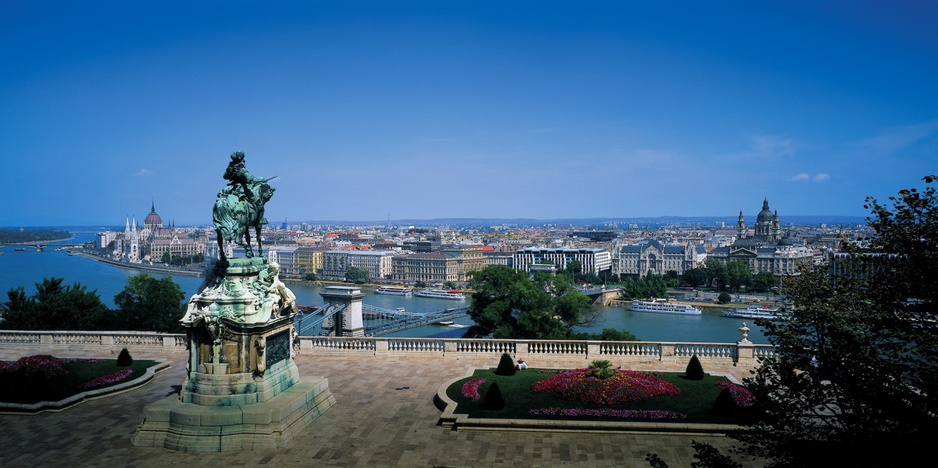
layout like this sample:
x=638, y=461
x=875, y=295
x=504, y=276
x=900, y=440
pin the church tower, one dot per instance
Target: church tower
x=741, y=226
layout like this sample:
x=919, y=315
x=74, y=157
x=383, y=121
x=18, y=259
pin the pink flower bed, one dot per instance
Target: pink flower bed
x=470, y=389
x=741, y=396
x=51, y=366
x=624, y=386
x=608, y=413
x=107, y=379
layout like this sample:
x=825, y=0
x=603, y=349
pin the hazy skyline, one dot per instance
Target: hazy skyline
x=455, y=109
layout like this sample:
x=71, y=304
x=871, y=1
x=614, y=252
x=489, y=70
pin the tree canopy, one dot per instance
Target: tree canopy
x=145, y=304
x=508, y=303
x=55, y=306
x=864, y=341
x=356, y=275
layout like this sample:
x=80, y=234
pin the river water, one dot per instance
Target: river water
x=28, y=267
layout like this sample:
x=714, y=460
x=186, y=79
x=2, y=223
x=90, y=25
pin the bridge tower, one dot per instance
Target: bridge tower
x=349, y=321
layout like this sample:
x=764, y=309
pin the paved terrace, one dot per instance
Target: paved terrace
x=384, y=416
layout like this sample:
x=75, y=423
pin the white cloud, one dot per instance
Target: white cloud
x=898, y=138
x=805, y=177
x=144, y=173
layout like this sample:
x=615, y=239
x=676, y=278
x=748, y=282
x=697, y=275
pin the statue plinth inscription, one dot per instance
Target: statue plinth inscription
x=240, y=342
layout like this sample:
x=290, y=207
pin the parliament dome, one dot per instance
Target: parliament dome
x=153, y=219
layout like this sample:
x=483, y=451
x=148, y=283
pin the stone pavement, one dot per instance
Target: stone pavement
x=384, y=416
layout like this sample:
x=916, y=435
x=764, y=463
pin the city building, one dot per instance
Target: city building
x=766, y=249
x=592, y=259
x=335, y=263
x=651, y=256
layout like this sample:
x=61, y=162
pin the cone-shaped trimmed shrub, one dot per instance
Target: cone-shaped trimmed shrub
x=494, y=401
x=506, y=365
x=124, y=359
x=725, y=403
x=694, y=370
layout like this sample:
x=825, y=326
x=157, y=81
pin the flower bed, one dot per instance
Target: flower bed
x=742, y=397
x=107, y=379
x=33, y=379
x=470, y=389
x=624, y=386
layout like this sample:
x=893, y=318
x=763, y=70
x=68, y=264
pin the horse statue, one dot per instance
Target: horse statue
x=240, y=206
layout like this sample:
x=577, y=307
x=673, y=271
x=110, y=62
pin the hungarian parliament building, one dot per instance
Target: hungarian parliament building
x=153, y=242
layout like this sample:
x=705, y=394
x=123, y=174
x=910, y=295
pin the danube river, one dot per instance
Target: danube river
x=27, y=267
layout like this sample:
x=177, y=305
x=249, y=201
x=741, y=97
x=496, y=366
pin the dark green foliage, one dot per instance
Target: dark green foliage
x=650, y=286
x=508, y=303
x=356, y=275
x=864, y=336
x=602, y=369
x=725, y=403
x=15, y=236
x=494, y=401
x=124, y=359
x=709, y=456
x=655, y=461
x=694, y=370
x=506, y=366
x=150, y=304
x=724, y=297
x=54, y=307
x=608, y=334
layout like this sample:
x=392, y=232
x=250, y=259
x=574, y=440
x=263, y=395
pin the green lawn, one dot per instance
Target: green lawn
x=695, y=400
x=17, y=387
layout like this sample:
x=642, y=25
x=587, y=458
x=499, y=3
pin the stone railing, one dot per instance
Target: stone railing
x=80, y=341
x=542, y=351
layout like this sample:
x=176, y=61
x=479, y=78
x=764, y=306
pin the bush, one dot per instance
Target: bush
x=506, y=365
x=724, y=298
x=601, y=369
x=494, y=401
x=124, y=359
x=694, y=370
x=725, y=405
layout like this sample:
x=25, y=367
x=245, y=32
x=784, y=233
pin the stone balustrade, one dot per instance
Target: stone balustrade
x=544, y=352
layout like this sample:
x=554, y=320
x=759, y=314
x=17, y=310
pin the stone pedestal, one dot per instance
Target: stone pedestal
x=268, y=425
x=243, y=390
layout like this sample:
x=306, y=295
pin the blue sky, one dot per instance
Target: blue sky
x=464, y=109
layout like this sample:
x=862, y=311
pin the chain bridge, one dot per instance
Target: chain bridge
x=376, y=320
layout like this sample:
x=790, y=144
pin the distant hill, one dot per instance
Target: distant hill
x=22, y=236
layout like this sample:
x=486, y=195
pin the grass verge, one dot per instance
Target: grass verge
x=19, y=387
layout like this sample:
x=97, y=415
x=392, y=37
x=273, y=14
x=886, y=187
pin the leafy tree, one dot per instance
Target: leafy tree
x=608, y=334
x=864, y=339
x=310, y=277
x=764, y=281
x=738, y=274
x=724, y=298
x=54, y=307
x=508, y=303
x=166, y=258
x=716, y=273
x=150, y=304
x=356, y=275
x=695, y=277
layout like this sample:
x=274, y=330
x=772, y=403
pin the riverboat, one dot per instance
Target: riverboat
x=753, y=312
x=441, y=294
x=664, y=307
x=394, y=291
